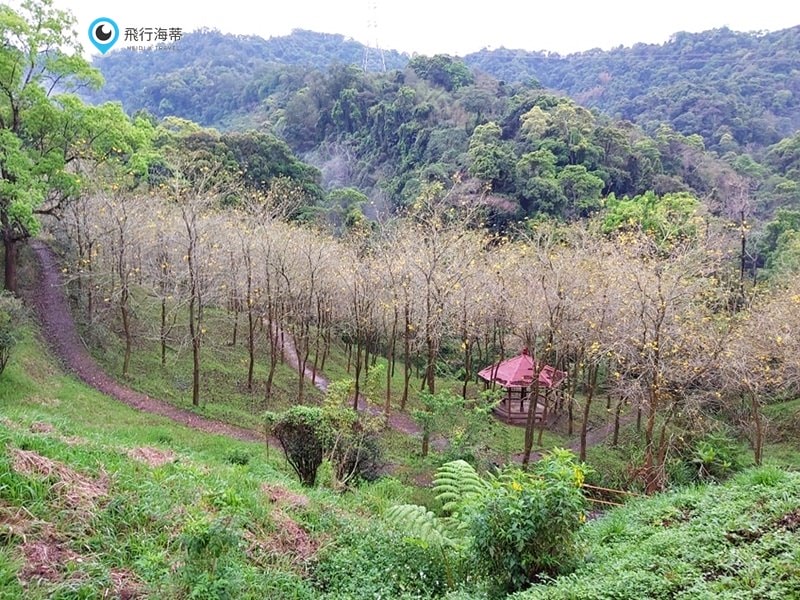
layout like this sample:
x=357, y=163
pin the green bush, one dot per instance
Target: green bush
x=712, y=457
x=738, y=539
x=524, y=526
x=10, y=315
x=359, y=457
x=210, y=567
x=379, y=563
x=303, y=434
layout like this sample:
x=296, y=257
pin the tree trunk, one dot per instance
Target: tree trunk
x=317, y=336
x=90, y=286
x=274, y=354
x=162, y=334
x=10, y=273
x=592, y=385
x=467, y=350
x=615, y=439
x=530, y=422
x=651, y=477
x=194, y=334
x=758, y=440
x=406, y=356
x=545, y=410
x=743, y=255
x=431, y=370
x=302, y=361
x=393, y=344
x=358, y=374
x=467, y=367
x=126, y=328
x=326, y=346
x=194, y=324
x=390, y=365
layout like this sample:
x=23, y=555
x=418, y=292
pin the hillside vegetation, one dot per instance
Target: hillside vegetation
x=126, y=504
x=715, y=113
x=332, y=283
x=734, y=89
x=211, y=75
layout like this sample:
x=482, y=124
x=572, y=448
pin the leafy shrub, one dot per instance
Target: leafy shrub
x=303, y=434
x=209, y=570
x=379, y=563
x=524, y=526
x=10, y=314
x=710, y=457
x=311, y=434
x=359, y=457
x=514, y=527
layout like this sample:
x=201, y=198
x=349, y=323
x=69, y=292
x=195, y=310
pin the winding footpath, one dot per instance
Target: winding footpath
x=58, y=328
x=50, y=303
x=397, y=420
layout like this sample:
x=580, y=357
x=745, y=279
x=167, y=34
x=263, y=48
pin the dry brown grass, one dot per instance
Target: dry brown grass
x=46, y=559
x=125, y=585
x=79, y=491
x=42, y=427
x=277, y=494
x=152, y=457
x=289, y=543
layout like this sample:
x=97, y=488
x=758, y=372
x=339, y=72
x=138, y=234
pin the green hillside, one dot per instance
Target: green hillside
x=735, y=89
x=210, y=75
x=302, y=305
x=99, y=500
x=714, y=113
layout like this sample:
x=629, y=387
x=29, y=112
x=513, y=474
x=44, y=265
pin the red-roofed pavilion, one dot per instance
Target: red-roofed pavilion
x=516, y=376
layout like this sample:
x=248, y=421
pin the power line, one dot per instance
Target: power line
x=374, y=59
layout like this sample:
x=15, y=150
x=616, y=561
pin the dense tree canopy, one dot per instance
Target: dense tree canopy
x=729, y=87
x=48, y=139
x=706, y=110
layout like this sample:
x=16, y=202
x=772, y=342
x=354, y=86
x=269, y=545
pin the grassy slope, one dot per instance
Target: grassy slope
x=223, y=379
x=192, y=525
x=737, y=540
x=201, y=522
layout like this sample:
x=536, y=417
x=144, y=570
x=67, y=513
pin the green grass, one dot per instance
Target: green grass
x=737, y=540
x=201, y=525
x=223, y=379
x=198, y=526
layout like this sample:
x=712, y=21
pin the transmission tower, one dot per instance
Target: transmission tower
x=374, y=60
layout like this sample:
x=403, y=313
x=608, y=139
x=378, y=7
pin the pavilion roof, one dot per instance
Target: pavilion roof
x=519, y=371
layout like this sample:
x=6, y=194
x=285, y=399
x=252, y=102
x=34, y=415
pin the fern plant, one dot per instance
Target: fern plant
x=456, y=484
x=422, y=525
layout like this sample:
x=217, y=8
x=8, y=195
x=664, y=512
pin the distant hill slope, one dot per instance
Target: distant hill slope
x=211, y=75
x=740, y=91
x=732, y=88
x=735, y=94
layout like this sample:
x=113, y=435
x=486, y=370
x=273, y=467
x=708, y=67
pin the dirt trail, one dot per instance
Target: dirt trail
x=397, y=420
x=58, y=328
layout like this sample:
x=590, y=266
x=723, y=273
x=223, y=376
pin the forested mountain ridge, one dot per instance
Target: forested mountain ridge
x=738, y=90
x=209, y=75
x=733, y=88
x=533, y=152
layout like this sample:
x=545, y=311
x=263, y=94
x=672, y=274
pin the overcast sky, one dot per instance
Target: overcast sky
x=450, y=26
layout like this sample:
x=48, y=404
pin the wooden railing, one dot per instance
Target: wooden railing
x=606, y=491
